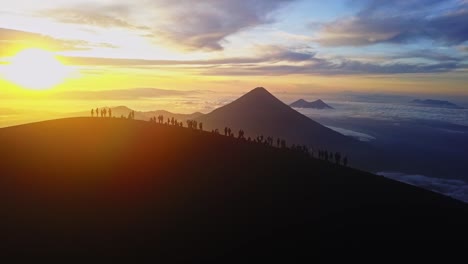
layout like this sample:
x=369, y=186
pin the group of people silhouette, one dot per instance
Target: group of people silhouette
x=107, y=112
x=170, y=121
x=268, y=141
x=194, y=124
x=174, y=122
x=329, y=156
x=103, y=112
x=281, y=143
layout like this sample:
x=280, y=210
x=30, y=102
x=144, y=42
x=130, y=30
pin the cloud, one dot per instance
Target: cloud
x=392, y=109
x=396, y=6
x=429, y=55
x=123, y=94
x=343, y=67
x=457, y=189
x=273, y=60
x=266, y=54
x=354, y=134
x=95, y=15
x=17, y=39
x=14, y=40
x=277, y=53
x=463, y=48
x=398, y=22
x=202, y=24
x=207, y=23
x=276, y=60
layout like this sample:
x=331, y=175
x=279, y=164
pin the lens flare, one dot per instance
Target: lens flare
x=35, y=69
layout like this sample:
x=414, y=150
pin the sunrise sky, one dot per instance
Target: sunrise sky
x=115, y=51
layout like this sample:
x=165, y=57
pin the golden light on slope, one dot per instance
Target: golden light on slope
x=35, y=69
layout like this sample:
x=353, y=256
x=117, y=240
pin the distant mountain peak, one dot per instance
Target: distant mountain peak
x=260, y=113
x=258, y=97
x=259, y=91
x=121, y=108
x=319, y=104
x=435, y=103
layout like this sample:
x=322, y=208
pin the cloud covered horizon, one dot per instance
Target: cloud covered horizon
x=457, y=189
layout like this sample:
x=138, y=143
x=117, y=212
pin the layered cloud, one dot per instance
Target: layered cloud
x=428, y=55
x=101, y=16
x=19, y=39
x=265, y=54
x=14, y=40
x=203, y=24
x=275, y=60
x=150, y=33
x=399, y=21
x=207, y=23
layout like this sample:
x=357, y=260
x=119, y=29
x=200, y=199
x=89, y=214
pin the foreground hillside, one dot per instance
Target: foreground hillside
x=88, y=185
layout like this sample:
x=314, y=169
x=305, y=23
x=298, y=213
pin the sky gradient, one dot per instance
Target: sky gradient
x=118, y=50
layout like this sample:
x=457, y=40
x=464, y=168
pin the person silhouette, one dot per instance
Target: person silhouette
x=345, y=161
x=92, y=112
x=110, y=112
x=338, y=158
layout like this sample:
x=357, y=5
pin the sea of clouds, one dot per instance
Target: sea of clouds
x=390, y=111
x=457, y=189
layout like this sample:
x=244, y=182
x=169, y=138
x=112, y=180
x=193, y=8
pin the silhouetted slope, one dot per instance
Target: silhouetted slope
x=318, y=104
x=259, y=112
x=83, y=186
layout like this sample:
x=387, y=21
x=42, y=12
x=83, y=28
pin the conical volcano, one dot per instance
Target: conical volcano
x=260, y=113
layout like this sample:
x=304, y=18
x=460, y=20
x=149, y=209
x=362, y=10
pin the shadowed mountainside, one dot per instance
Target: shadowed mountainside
x=117, y=186
x=319, y=104
x=259, y=112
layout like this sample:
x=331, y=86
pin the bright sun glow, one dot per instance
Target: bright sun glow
x=35, y=69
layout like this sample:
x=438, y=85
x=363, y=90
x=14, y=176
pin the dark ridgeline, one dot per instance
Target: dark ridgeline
x=122, y=187
x=319, y=104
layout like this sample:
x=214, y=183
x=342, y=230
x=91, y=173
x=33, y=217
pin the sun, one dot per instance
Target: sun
x=35, y=69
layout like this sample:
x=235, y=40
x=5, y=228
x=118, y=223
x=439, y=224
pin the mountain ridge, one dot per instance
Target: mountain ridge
x=318, y=104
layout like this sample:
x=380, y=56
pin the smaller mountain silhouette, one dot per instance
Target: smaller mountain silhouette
x=319, y=104
x=436, y=103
